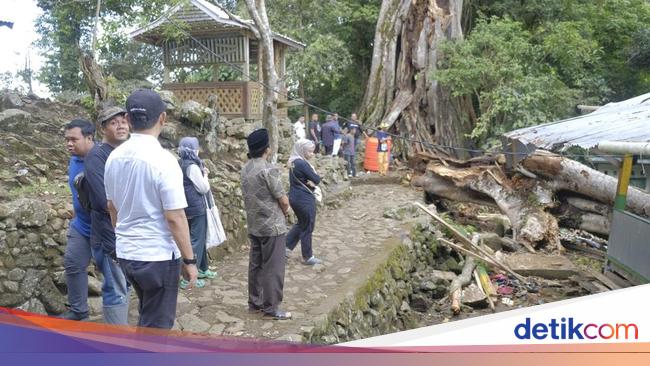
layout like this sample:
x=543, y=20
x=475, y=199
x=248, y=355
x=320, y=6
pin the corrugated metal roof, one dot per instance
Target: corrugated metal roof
x=203, y=10
x=628, y=120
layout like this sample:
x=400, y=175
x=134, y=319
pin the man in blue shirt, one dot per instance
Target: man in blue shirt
x=115, y=294
x=79, y=140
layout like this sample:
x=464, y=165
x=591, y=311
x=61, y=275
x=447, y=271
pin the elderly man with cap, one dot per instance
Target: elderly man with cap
x=115, y=295
x=267, y=207
x=146, y=201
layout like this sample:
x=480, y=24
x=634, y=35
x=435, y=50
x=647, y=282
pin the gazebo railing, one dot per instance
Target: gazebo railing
x=233, y=98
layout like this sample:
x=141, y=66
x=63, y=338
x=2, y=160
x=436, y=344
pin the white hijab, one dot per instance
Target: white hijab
x=300, y=150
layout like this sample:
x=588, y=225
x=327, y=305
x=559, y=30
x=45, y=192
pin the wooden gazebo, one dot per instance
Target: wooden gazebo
x=217, y=37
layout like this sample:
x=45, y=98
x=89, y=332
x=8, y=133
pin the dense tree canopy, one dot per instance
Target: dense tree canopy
x=528, y=62
x=520, y=62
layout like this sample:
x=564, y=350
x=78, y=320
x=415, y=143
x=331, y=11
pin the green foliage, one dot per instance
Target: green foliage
x=336, y=62
x=66, y=28
x=528, y=62
x=505, y=72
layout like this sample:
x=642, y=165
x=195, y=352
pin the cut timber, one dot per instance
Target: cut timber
x=541, y=265
x=456, y=287
x=603, y=279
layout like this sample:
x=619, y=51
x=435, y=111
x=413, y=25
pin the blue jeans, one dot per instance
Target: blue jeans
x=115, y=289
x=115, y=295
x=352, y=169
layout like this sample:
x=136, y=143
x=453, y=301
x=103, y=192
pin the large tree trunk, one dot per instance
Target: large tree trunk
x=401, y=89
x=257, y=11
x=570, y=175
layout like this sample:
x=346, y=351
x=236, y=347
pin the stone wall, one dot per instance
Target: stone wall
x=416, y=273
x=32, y=243
x=35, y=201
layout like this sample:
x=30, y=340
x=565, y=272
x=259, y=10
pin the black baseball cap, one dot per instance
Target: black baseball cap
x=144, y=105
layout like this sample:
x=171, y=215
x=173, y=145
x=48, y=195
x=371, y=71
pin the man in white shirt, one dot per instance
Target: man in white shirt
x=146, y=201
x=299, y=128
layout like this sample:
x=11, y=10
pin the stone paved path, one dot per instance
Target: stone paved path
x=352, y=240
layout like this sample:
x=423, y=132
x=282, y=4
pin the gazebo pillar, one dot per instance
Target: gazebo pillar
x=246, y=66
x=166, y=77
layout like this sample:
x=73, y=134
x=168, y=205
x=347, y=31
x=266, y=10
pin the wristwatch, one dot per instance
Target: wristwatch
x=189, y=261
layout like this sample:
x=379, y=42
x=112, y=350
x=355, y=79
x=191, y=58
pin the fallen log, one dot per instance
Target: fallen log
x=570, y=175
x=589, y=205
x=523, y=203
x=457, y=284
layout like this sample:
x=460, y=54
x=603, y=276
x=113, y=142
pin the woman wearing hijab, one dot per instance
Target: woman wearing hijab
x=196, y=184
x=303, y=179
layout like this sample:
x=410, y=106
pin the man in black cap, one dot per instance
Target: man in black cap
x=267, y=207
x=146, y=201
x=115, y=294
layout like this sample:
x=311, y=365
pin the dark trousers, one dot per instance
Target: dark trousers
x=329, y=149
x=352, y=169
x=198, y=233
x=266, y=272
x=302, y=231
x=156, y=284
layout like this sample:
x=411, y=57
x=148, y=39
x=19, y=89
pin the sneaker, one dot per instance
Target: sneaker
x=73, y=315
x=287, y=252
x=207, y=274
x=312, y=261
x=183, y=283
x=279, y=315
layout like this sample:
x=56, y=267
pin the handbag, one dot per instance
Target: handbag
x=215, y=234
x=317, y=192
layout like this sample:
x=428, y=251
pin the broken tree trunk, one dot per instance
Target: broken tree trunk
x=402, y=88
x=526, y=200
x=257, y=11
x=97, y=86
x=525, y=208
x=456, y=287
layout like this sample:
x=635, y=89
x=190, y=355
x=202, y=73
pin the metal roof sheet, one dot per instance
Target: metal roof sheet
x=628, y=120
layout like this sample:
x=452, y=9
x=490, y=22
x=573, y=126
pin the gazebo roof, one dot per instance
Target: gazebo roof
x=204, y=18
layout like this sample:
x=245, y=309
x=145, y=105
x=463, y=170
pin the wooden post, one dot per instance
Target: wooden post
x=246, y=69
x=623, y=182
x=215, y=73
x=260, y=74
x=166, y=76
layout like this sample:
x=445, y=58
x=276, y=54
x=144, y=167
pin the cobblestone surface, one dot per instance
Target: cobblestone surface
x=351, y=240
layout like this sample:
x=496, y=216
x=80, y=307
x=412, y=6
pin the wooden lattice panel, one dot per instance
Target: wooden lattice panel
x=255, y=99
x=229, y=99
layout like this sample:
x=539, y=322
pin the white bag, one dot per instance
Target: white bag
x=336, y=147
x=318, y=194
x=215, y=234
